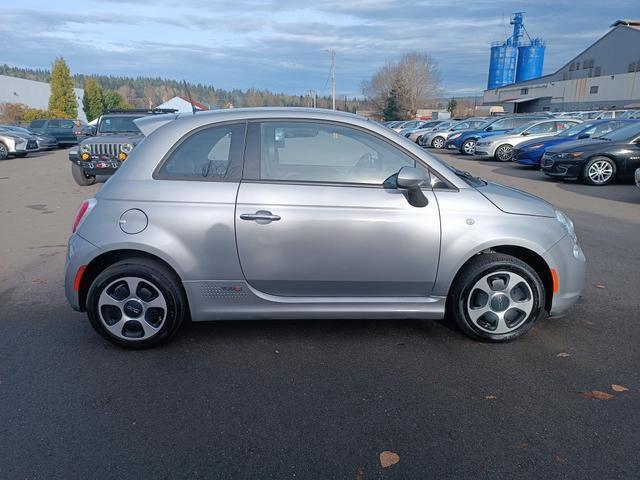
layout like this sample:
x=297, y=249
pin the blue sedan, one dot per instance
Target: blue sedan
x=530, y=152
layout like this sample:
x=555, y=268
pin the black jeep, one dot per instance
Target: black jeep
x=116, y=136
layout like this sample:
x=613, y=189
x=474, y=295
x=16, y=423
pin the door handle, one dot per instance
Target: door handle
x=261, y=216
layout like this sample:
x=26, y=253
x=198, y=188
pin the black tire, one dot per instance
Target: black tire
x=157, y=275
x=80, y=177
x=504, y=153
x=4, y=151
x=468, y=147
x=440, y=141
x=474, y=271
x=21, y=155
x=590, y=177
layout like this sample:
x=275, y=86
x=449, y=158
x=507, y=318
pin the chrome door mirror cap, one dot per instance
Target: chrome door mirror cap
x=411, y=178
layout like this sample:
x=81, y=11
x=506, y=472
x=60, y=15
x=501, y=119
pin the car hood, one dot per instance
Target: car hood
x=545, y=141
x=584, y=143
x=24, y=136
x=113, y=138
x=517, y=202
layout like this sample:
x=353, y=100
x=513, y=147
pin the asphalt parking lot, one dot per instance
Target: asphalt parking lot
x=319, y=400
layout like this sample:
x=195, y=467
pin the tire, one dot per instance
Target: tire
x=80, y=177
x=21, y=155
x=481, y=314
x=4, y=151
x=599, y=171
x=504, y=153
x=437, y=142
x=136, y=303
x=468, y=147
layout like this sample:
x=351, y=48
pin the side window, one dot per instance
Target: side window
x=325, y=152
x=53, y=124
x=560, y=126
x=66, y=124
x=212, y=153
x=37, y=124
x=462, y=126
x=603, y=129
x=502, y=124
x=546, y=127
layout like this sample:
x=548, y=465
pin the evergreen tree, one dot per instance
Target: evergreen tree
x=93, y=101
x=62, y=98
x=113, y=100
x=392, y=109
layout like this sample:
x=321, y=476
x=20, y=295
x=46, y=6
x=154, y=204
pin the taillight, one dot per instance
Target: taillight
x=83, y=212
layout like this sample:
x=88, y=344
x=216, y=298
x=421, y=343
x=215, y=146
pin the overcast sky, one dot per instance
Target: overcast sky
x=284, y=45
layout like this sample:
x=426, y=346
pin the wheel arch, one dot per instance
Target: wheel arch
x=528, y=256
x=106, y=259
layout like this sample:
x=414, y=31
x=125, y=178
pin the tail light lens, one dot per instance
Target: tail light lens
x=83, y=212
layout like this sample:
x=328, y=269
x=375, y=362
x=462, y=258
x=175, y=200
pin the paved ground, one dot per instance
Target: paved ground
x=315, y=400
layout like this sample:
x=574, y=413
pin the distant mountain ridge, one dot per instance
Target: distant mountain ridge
x=146, y=92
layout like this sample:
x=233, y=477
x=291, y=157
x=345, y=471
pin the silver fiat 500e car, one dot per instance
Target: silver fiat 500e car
x=310, y=214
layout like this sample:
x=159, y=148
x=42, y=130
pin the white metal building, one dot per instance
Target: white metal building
x=182, y=104
x=33, y=94
x=605, y=75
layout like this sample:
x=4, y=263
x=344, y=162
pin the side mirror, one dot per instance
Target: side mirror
x=524, y=134
x=582, y=136
x=489, y=129
x=411, y=179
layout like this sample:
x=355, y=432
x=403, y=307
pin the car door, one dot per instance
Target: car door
x=313, y=217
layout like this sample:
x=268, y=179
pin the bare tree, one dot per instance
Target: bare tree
x=414, y=78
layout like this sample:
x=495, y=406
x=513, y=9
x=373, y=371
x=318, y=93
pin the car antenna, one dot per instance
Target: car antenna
x=193, y=107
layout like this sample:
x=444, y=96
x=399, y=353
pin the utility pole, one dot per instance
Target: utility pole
x=333, y=78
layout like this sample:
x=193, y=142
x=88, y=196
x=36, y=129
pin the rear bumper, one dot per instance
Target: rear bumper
x=569, y=262
x=80, y=252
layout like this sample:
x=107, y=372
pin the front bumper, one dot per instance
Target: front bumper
x=484, y=150
x=561, y=168
x=569, y=262
x=80, y=252
x=23, y=147
x=531, y=158
x=97, y=165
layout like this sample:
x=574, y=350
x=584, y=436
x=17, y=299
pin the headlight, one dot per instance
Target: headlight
x=126, y=148
x=569, y=155
x=567, y=224
x=85, y=148
x=454, y=136
x=534, y=147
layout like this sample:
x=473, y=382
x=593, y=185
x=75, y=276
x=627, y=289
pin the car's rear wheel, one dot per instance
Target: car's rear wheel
x=80, y=177
x=469, y=147
x=136, y=303
x=504, y=153
x=497, y=298
x=437, y=142
x=599, y=171
x=4, y=151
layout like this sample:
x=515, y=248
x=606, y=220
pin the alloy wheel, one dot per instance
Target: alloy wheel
x=500, y=302
x=504, y=153
x=132, y=308
x=469, y=147
x=4, y=153
x=600, y=171
x=438, y=142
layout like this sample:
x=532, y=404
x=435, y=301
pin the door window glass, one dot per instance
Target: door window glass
x=37, y=124
x=324, y=152
x=546, y=127
x=53, y=124
x=210, y=154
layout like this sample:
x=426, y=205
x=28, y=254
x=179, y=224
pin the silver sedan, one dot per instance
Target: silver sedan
x=310, y=214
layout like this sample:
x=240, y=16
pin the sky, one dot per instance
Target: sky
x=284, y=45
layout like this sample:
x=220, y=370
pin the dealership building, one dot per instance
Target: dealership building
x=605, y=75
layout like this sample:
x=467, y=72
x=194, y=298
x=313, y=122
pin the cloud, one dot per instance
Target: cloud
x=284, y=45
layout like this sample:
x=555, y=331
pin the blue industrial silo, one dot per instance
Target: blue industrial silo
x=502, y=66
x=512, y=62
x=530, y=60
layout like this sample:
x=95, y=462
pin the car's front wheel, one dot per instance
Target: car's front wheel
x=136, y=303
x=599, y=171
x=80, y=177
x=4, y=151
x=437, y=142
x=469, y=147
x=496, y=297
x=504, y=153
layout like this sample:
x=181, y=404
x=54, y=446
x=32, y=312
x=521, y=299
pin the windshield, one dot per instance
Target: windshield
x=118, y=125
x=524, y=127
x=576, y=129
x=625, y=133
